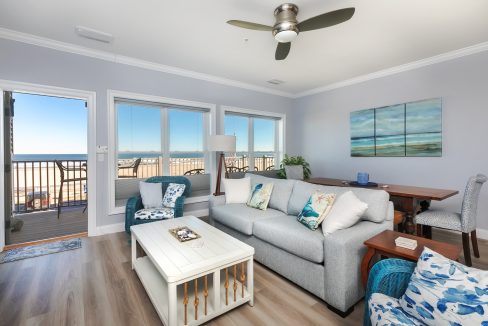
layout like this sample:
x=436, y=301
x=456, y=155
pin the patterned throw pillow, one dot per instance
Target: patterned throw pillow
x=445, y=292
x=260, y=195
x=173, y=192
x=316, y=209
x=386, y=311
x=155, y=213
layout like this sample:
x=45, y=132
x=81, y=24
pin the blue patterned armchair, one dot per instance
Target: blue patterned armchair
x=389, y=277
x=135, y=203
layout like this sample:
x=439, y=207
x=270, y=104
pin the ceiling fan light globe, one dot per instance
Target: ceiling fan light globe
x=285, y=36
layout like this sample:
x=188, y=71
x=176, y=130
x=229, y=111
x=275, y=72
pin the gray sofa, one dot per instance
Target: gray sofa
x=328, y=267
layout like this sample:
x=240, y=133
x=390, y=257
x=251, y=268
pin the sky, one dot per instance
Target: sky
x=54, y=125
x=49, y=125
x=264, y=132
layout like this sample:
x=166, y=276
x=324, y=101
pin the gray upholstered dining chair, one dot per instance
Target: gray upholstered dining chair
x=464, y=222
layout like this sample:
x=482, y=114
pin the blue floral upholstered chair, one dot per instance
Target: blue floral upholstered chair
x=134, y=204
x=433, y=291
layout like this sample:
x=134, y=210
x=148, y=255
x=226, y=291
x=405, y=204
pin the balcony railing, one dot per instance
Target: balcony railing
x=36, y=185
x=241, y=163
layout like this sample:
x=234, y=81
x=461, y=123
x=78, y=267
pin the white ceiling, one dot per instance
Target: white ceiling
x=193, y=35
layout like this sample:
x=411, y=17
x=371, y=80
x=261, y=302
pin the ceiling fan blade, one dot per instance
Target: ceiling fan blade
x=282, y=50
x=326, y=20
x=249, y=25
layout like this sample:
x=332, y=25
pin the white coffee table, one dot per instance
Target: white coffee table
x=192, y=282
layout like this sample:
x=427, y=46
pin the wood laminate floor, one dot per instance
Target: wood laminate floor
x=95, y=285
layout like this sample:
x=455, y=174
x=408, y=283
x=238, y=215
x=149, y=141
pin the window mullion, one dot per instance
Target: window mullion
x=165, y=141
x=250, y=145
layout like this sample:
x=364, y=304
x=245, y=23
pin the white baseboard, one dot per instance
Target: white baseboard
x=482, y=234
x=111, y=228
x=120, y=227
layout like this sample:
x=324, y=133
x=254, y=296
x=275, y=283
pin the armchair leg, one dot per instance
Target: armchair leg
x=341, y=313
x=419, y=230
x=427, y=231
x=467, y=251
x=474, y=241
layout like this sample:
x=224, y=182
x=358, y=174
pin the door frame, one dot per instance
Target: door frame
x=90, y=98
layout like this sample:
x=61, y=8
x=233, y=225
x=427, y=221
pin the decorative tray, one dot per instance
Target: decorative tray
x=368, y=185
x=183, y=234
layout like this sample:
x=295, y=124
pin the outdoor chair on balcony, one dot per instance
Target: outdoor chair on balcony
x=195, y=172
x=134, y=166
x=134, y=204
x=68, y=174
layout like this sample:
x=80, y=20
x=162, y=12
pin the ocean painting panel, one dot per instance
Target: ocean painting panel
x=362, y=133
x=390, y=131
x=424, y=128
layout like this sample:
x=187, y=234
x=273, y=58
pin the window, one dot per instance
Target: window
x=153, y=138
x=259, y=137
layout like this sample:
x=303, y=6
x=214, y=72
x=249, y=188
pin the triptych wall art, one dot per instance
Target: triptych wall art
x=409, y=129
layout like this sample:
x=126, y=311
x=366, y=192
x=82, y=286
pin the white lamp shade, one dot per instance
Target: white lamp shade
x=222, y=143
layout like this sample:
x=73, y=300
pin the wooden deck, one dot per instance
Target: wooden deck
x=45, y=225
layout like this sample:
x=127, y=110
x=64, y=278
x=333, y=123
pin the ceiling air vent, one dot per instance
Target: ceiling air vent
x=275, y=81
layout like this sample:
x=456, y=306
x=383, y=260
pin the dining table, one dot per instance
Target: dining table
x=408, y=199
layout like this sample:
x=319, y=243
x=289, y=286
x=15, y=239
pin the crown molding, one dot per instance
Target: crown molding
x=112, y=57
x=477, y=48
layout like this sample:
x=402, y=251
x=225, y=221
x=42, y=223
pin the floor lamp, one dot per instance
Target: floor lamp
x=222, y=144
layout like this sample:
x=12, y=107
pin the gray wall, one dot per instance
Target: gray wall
x=32, y=64
x=323, y=128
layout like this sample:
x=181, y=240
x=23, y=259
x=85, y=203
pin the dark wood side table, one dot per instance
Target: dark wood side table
x=407, y=199
x=384, y=244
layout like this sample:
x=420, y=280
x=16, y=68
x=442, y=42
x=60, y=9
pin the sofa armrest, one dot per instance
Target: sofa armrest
x=179, y=204
x=133, y=205
x=389, y=277
x=214, y=201
x=343, y=253
x=390, y=213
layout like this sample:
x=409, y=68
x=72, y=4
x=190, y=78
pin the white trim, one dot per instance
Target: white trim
x=90, y=98
x=477, y=48
x=107, y=56
x=111, y=96
x=111, y=228
x=112, y=57
x=281, y=125
x=2, y=176
x=120, y=227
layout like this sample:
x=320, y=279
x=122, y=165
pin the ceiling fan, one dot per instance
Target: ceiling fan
x=286, y=27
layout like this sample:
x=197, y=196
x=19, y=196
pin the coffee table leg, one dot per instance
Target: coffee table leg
x=133, y=250
x=172, y=305
x=250, y=281
x=365, y=265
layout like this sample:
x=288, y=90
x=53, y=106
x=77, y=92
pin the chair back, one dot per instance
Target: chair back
x=61, y=168
x=470, y=202
x=166, y=180
x=136, y=166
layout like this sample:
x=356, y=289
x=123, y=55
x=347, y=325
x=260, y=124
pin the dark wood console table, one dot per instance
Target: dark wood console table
x=408, y=199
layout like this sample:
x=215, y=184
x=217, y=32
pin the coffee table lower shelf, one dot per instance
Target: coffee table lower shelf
x=158, y=291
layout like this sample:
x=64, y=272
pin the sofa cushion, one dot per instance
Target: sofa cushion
x=241, y=217
x=377, y=200
x=286, y=233
x=282, y=190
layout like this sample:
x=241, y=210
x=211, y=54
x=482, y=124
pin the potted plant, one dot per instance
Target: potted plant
x=294, y=160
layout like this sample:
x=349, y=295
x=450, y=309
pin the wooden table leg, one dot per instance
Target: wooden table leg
x=365, y=265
